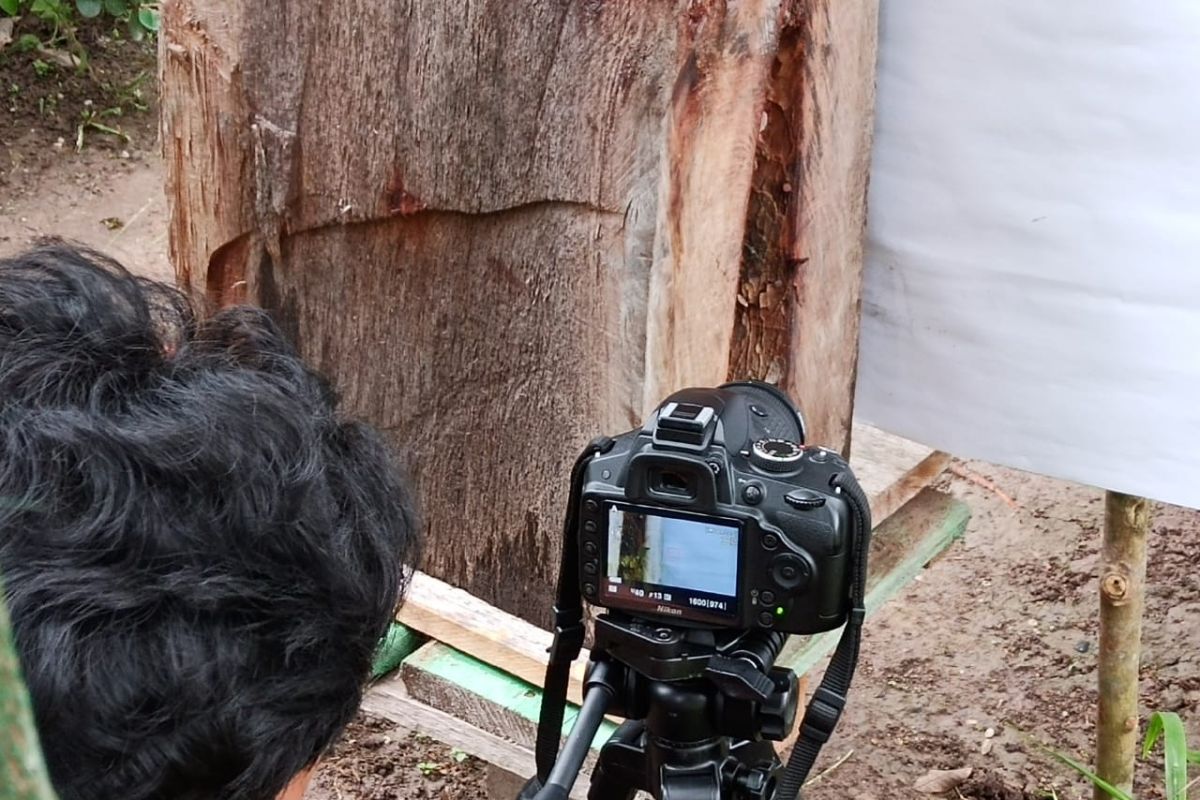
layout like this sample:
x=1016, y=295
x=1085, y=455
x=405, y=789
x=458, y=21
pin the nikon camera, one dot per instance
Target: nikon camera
x=716, y=515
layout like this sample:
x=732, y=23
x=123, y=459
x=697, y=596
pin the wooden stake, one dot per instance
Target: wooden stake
x=1122, y=589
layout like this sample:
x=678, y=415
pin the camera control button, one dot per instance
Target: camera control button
x=591, y=506
x=753, y=494
x=804, y=499
x=821, y=455
x=590, y=549
x=591, y=568
x=767, y=597
x=589, y=589
x=790, y=571
x=770, y=541
x=590, y=526
x=766, y=619
x=776, y=455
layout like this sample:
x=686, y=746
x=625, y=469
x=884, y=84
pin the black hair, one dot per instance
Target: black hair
x=199, y=552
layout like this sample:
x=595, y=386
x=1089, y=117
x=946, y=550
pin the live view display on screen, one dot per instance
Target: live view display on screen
x=661, y=562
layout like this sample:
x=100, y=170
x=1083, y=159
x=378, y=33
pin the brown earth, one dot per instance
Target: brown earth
x=998, y=635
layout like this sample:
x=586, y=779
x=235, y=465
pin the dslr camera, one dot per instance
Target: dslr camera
x=715, y=514
x=710, y=534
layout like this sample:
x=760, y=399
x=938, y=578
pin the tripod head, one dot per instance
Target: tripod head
x=704, y=707
x=751, y=699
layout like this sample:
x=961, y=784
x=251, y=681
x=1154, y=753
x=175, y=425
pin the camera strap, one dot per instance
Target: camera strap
x=568, y=621
x=825, y=707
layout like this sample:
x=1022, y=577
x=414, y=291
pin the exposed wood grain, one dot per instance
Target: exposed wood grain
x=501, y=234
x=495, y=637
x=511, y=705
x=891, y=469
x=833, y=124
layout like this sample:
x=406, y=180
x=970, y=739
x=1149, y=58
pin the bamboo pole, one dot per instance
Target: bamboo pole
x=1122, y=591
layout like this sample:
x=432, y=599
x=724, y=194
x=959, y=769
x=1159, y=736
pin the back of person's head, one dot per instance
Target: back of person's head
x=199, y=553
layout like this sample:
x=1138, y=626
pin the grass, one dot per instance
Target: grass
x=1164, y=726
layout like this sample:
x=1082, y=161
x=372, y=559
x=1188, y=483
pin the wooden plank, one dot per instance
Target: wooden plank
x=465, y=622
x=891, y=469
x=494, y=700
x=392, y=701
x=397, y=645
x=900, y=548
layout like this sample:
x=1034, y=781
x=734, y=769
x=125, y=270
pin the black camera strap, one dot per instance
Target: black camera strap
x=825, y=708
x=568, y=622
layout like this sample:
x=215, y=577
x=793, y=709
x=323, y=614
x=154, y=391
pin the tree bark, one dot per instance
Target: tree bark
x=504, y=233
x=1122, y=592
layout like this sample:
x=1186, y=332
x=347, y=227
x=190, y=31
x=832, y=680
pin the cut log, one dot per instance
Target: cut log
x=798, y=301
x=502, y=234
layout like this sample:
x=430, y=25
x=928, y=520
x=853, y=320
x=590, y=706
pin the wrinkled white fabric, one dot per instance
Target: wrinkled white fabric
x=1032, y=290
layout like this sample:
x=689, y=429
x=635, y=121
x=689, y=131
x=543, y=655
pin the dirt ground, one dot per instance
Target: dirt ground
x=996, y=639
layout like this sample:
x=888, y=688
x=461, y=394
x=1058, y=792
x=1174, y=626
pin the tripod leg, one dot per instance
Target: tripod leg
x=621, y=769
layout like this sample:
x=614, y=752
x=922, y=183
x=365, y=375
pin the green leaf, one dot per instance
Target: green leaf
x=1193, y=756
x=148, y=17
x=1104, y=785
x=27, y=42
x=136, y=31
x=116, y=8
x=89, y=8
x=10, y=7
x=1168, y=726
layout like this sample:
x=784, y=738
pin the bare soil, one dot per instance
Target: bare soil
x=993, y=648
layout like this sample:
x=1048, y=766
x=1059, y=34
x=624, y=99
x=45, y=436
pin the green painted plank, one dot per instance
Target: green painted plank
x=900, y=548
x=495, y=686
x=399, y=642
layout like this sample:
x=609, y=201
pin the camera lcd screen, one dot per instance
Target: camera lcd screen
x=667, y=565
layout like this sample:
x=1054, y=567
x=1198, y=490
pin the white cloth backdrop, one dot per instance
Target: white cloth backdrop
x=1033, y=279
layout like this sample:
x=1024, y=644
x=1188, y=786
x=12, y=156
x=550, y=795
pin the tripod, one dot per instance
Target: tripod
x=701, y=709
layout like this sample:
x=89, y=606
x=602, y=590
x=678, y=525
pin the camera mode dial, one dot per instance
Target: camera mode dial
x=776, y=455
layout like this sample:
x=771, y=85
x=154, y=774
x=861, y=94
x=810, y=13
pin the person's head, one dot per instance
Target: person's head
x=199, y=553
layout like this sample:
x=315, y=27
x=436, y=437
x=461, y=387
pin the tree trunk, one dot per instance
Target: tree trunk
x=1122, y=593
x=503, y=233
